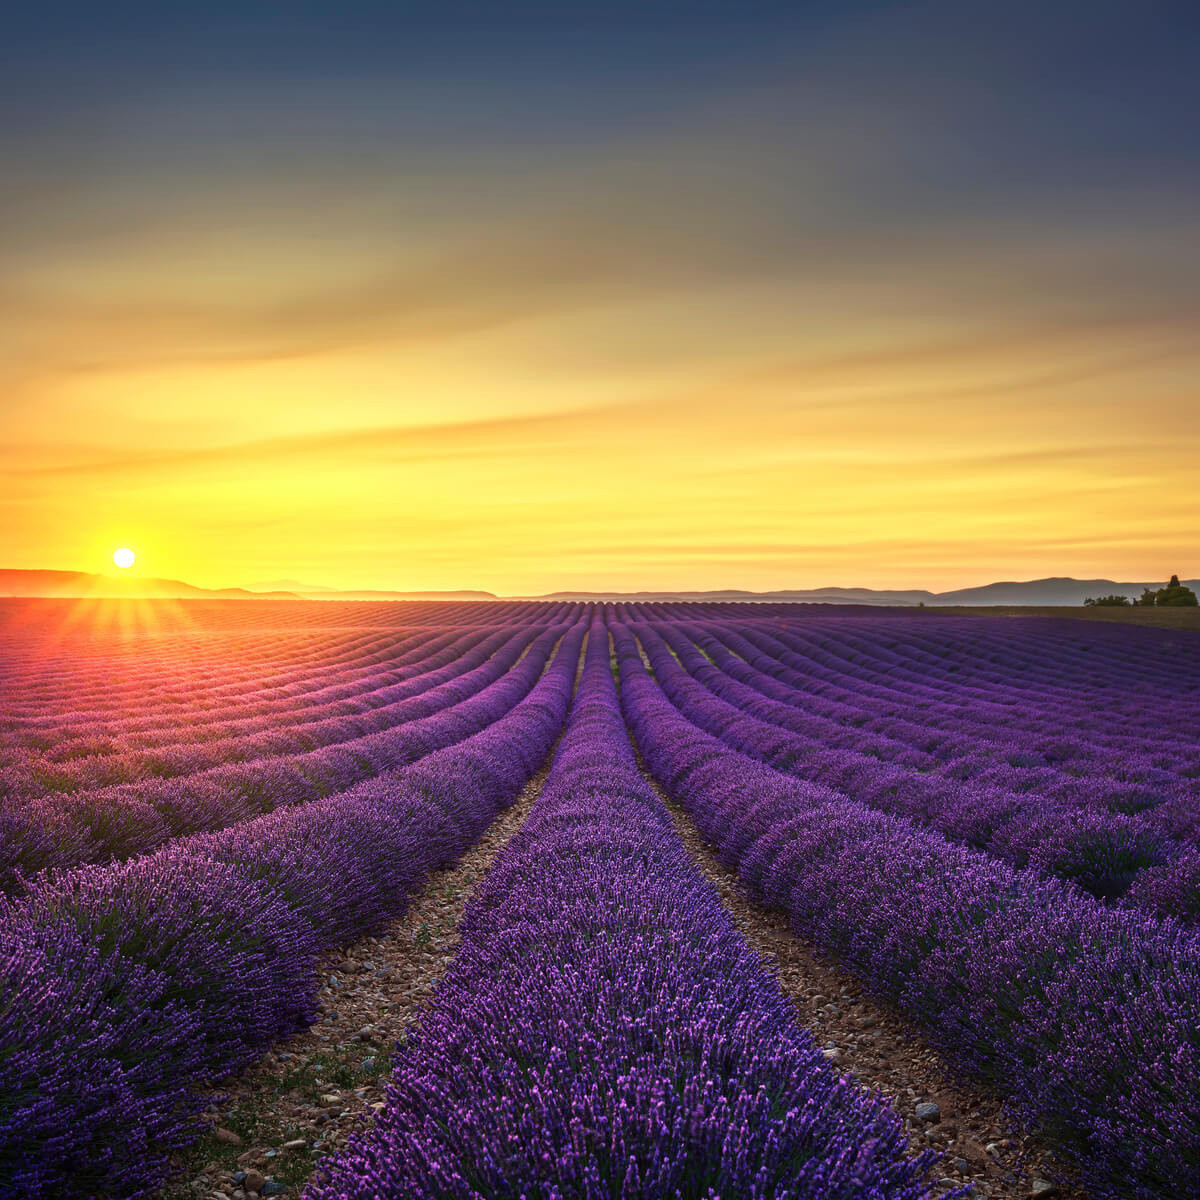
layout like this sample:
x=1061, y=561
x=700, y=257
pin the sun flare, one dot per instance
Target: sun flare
x=124, y=557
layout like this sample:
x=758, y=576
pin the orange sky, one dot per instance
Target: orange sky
x=751, y=339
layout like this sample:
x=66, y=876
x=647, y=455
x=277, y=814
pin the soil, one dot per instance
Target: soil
x=302, y=1100
x=981, y=1146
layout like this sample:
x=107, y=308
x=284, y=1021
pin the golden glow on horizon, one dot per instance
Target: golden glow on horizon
x=752, y=348
x=124, y=557
x=931, y=464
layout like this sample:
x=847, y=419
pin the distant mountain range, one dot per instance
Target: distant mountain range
x=1057, y=591
x=372, y=595
x=1034, y=592
x=288, y=585
x=320, y=591
x=81, y=584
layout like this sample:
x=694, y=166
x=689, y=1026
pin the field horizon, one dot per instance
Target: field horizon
x=1055, y=591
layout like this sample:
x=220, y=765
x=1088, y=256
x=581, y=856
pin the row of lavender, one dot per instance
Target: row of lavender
x=1059, y=799
x=101, y=659
x=72, y=674
x=1087, y=1018
x=973, y=726
x=82, y=693
x=189, y=739
x=606, y=1032
x=1070, y=831
x=259, y=696
x=1100, y=789
x=116, y=822
x=1051, y=690
x=124, y=989
x=152, y=681
x=1046, y=653
x=972, y=679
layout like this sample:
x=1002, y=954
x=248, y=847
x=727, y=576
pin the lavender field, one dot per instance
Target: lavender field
x=217, y=815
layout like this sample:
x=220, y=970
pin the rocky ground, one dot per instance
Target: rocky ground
x=302, y=1100
x=980, y=1147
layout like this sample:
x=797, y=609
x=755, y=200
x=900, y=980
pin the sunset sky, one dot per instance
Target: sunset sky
x=529, y=296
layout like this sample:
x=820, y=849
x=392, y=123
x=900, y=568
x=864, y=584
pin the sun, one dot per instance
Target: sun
x=124, y=557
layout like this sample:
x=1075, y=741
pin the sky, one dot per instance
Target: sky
x=531, y=296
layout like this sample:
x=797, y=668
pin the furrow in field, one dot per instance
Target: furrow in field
x=959, y=678
x=994, y=712
x=1043, y=655
x=124, y=821
x=260, y=697
x=186, y=747
x=128, y=987
x=1028, y=744
x=318, y=1086
x=321, y=1084
x=980, y=1144
x=1105, y=854
x=1083, y=1017
x=141, y=672
x=47, y=662
x=390, y=694
x=604, y=1030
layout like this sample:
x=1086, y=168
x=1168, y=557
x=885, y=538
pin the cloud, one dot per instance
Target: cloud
x=452, y=440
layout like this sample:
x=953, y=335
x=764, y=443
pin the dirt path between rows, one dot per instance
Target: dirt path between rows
x=303, y=1099
x=881, y=1050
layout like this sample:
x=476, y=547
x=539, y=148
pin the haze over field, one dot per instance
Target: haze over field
x=1034, y=592
x=534, y=297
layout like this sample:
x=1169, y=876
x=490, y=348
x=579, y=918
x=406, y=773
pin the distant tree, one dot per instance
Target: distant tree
x=1175, y=595
x=1113, y=601
x=1149, y=595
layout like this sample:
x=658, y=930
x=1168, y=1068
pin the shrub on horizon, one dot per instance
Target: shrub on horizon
x=1175, y=595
